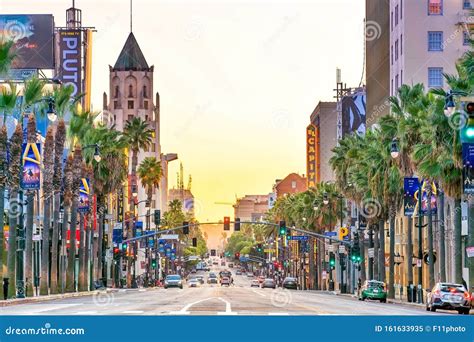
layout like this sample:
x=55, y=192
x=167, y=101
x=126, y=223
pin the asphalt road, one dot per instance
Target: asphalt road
x=239, y=299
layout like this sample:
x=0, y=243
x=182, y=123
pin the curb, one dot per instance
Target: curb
x=18, y=301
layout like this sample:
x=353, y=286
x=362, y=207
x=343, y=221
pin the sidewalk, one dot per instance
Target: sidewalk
x=393, y=301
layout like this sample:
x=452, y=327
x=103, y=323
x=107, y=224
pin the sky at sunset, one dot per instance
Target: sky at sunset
x=238, y=79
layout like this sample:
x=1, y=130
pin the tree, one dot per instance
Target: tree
x=3, y=183
x=150, y=174
x=7, y=55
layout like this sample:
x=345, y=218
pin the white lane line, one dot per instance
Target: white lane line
x=184, y=311
x=133, y=312
x=228, y=308
x=141, y=290
x=278, y=314
x=260, y=294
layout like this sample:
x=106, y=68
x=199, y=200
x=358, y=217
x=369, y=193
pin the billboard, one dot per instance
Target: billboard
x=31, y=172
x=312, y=167
x=84, y=192
x=410, y=189
x=70, y=59
x=353, y=113
x=468, y=168
x=33, y=36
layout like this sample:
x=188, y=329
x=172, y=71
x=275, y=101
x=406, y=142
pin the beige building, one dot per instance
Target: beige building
x=324, y=118
x=251, y=207
x=185, y=196
x=426, y=39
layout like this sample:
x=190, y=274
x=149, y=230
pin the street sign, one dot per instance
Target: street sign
x=169, y=236
x=470, y=252
x=342, y=249
x=298, y=237
x=36, y=237
x=269, y=250
x=330, y=248
x=370, y=252
x=330, y=234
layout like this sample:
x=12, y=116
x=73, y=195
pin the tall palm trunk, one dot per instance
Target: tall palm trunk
x=311, y=265
x=82, y=247
x=363, y=274
x=48, y=162
x=62, y=261
x=130, y=260
x=3, y=182
x=101, y=215
x=391, y=272
x=442, y=245
x=68, y=181
x=457, y=242
x=11, y=258
x=376, y=252
x=54, y=244
x=431, y=270
x=409, y=264
x=382, y=273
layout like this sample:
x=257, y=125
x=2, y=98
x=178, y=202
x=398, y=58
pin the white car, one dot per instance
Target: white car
x=255, y=283
x=194, y=283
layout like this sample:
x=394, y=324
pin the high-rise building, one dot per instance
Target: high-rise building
x=426, y=39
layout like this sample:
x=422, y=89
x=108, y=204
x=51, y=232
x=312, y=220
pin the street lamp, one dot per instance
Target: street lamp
x=449, y=105
x=52, y=116
x=325, y=199
x=97, y=156
x=394, y=150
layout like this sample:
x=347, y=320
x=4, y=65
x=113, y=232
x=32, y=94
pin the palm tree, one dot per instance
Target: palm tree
x=3, y=183
x=48, y=163
x=150, y=174
x=137, y=135
x=67, y=201
x=7, y=55
x=15, y=207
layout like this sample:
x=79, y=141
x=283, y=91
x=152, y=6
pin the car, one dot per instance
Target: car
x=200, y=278
x=255, y=283
x=193, y=270
x=290, y=283
x=212, y=275
x=261, y=279
x=173, y=280
x=215, y=263
x=250, y=274
x=231, y=265
x=225, y=281
x=268, y=283
x=373, y=289
x=194, y=283
x=238, y=272
x=449, y=296
x=212, y=280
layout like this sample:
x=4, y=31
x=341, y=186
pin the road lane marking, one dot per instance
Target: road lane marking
x=133, y=311
x=260, y=294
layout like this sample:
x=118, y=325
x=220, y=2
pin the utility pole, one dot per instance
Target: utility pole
x=371, y=258
x=420, y=245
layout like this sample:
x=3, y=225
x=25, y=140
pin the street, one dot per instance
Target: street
x=239, y=299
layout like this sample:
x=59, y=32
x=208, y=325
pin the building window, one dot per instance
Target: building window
x=466, y=4
x=396, y=50
x=115, y=118
x=466, y=37
x=293, y=184
x=391, y=54
x=116, y=91
x=145, y=93
x=401, y=77
x=391, y=21
x=130, y=117
x=435, y=77
x=145, y=104
x=130, y=91
x=435, y=41
x=396, y=15
x=401, y=9
x=130, y=104
x=396, y=82
x=116, y=105
x=401, y=44
x=435, y=7
x=391, y=87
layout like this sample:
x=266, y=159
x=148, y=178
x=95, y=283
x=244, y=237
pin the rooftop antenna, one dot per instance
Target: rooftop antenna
x=131, y=12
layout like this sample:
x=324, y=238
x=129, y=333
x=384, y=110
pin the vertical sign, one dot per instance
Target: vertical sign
x=87, y=68
x=120, y=206
x=410, y=188
x=468, y=168
x=424, y=200
x=84, y=192
x=70, y=59
x=31, y=173
x=311, y=166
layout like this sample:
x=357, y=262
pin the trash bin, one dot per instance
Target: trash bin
x=331, y=285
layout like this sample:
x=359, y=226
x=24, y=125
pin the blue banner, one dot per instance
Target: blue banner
x=468, y=168
x=31, y=158
x=410, y=188
x=84, y=192
x=298, y=328
x=117, y=235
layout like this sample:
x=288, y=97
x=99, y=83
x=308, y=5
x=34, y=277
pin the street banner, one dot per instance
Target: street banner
x=424, y=202
x=117, y=236
x=70, y=59
x=31, y=159
x=84, y=192
x=468, y=168
x=410, y=188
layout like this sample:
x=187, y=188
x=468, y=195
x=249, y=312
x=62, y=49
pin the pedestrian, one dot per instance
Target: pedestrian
x=5, y=288
x=359, y=285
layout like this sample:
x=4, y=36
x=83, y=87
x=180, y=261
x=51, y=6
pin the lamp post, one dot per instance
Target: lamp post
x=398, y=260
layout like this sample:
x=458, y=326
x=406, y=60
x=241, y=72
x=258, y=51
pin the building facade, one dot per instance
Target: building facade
x=291, y=184
x=251, y=207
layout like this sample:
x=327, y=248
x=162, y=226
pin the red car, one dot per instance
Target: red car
x=225, y=281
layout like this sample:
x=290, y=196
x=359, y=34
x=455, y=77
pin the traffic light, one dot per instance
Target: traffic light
x=195, y=242
x=237, y=256
x=282, y=231
x=237, y=224
x=226, y=223
x=259, y=248
x=157, y=217
x=186, y=227
x=355, y=250
x=332, y=260
x=124, y=247
x=467, y=132
x=116, y=251
x=153, y=263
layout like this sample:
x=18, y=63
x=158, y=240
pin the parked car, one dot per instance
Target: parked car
x=255, y=283
x=448, y=296
x=173, y=280
x=225, y=281
x=290, y=283
x=268, y=283
x=238, y=272
x=194, y=283
x=373, y=289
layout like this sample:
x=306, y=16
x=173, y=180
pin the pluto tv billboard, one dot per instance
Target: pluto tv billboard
x=33, y=36
x=353, y=113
